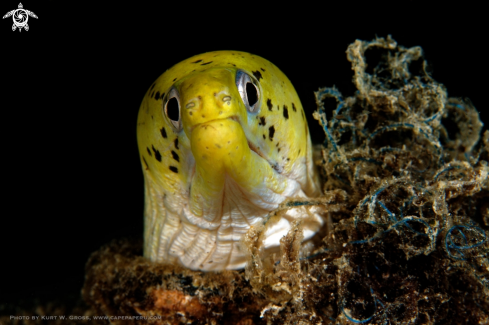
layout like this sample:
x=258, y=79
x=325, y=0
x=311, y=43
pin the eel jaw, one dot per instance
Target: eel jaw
x=279, y=169
x=257, y=150
x=220, y=148
x=251, y=145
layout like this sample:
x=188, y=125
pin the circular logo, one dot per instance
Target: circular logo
x=20, y=17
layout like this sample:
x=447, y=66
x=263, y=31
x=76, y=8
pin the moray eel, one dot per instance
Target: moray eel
x=223, y=141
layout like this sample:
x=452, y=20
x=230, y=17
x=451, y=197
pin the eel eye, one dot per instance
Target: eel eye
x=248, y=90
x=172, y=108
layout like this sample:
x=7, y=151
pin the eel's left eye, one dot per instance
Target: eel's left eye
x=248, y=90
x=172, y=108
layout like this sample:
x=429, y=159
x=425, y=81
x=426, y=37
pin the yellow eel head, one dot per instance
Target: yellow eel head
x=223, y=141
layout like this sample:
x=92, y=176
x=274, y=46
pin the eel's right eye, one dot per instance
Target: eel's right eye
x=172, y=108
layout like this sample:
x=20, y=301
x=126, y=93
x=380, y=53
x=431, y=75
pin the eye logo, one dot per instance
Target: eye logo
x=20, y=17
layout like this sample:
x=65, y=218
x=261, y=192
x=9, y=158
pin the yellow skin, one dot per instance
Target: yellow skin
x=222, y=166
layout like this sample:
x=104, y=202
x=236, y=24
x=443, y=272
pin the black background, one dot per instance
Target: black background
x=71, y=88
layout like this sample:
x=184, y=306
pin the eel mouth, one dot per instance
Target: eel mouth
x=253, y=147
x=256, y=149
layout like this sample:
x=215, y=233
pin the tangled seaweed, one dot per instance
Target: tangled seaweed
x=406, y=184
